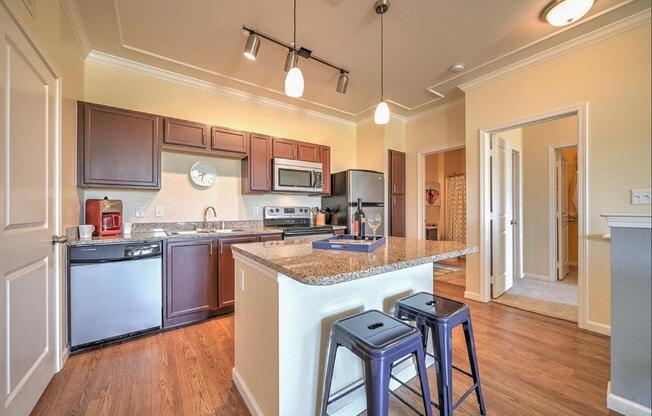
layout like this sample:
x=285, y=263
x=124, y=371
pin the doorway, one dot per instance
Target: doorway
x=444, y=207
x=532, y=206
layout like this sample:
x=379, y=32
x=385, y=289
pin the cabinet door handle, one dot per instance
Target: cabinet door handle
x=211, y=249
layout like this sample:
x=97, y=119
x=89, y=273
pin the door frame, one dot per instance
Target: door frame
x=61, y=350
x=484, y=135
x=421, y=182
x=552, y=207
x=517, y=207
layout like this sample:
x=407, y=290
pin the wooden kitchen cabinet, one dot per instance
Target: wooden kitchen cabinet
x=184, y=135
x=325, y=157
x=257, y=166
x=117, y=148
x=270, y=237
x=396, y=192
x=227, y=140
x=308, y=152
x=226, y=268
x=190, y=281
x=284, y=148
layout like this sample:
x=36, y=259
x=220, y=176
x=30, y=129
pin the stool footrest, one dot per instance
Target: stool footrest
x=433, y=404
x=349, y=390
x=461, y=370
x=402, y=400
x=465, y=395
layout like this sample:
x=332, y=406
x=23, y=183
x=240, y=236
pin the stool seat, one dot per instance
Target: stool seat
x=427, y=305
x=375, y=329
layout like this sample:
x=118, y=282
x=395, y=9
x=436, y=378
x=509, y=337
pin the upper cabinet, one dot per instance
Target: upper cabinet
x=284, y=148
x=182, y=134
x=325, y=157
x=117, y=148
x=227, y=140
x=257, y=166
x=308, y=152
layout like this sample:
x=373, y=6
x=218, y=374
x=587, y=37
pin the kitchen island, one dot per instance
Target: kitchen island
x=287, y=297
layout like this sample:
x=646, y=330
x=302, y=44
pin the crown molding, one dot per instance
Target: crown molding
x=185, y=80
x=438, y=109
x=77, y=26
x=613, y=29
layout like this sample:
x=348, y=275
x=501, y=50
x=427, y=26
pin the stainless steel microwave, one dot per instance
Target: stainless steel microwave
x=297, y=176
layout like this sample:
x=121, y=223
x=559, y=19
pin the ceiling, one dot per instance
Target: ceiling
x=423, y=38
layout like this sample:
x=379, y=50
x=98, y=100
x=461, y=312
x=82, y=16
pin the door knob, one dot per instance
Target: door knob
x=512, y=222
x=59, y=239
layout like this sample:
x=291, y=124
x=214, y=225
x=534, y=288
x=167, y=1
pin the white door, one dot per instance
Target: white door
x=28, y=215
x=561, y=214
x=502, y=275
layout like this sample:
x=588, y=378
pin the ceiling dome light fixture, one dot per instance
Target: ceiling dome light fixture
x=381, y=115
x=564, y=12
x=251, y=47
x=294, y=78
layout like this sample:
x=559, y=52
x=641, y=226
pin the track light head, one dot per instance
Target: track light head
x=342, y=83
x=251, y=47
x=381, y=6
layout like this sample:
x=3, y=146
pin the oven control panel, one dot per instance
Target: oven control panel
x=286, y=212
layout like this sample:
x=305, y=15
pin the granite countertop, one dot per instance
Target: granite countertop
x=298, y=260
x=160, y=235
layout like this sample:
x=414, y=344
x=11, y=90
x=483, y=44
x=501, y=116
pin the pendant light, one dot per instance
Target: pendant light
x=381, y=115
x=294, y=77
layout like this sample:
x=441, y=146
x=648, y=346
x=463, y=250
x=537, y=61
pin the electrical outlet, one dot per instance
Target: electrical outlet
x=241, y=279
x=140, y=212
x=159, y=212
x=256, y=211
x=641, y=196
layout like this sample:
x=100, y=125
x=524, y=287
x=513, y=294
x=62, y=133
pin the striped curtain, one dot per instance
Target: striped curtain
x=456, y=208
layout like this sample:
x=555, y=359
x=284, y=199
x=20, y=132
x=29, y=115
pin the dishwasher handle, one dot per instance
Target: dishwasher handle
x=96, y=261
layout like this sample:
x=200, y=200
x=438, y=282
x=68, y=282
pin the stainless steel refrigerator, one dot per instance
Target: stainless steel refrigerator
x=346, y=188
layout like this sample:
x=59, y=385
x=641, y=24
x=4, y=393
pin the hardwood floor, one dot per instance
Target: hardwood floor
x=529, y=365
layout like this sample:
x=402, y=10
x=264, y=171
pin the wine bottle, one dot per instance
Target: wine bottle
x=359, y=222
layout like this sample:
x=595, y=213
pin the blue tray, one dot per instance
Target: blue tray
x=339, y=242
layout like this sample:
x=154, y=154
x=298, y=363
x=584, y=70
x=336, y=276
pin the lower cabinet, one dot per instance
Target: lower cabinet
x=190, y=281
x=226, y=269
x=200, y=277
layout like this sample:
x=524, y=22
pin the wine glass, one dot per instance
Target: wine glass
x=374, y=222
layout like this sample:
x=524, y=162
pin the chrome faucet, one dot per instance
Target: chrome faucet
x=206, y=215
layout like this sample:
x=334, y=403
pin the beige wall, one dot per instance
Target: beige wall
x=53, y=36
x=570, y=154
x=180, y=200
x=436, y=131
x=537, y=140
x=613, y=78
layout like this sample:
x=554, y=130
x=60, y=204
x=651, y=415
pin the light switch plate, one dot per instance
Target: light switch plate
x=256, y=211
x=159, y=212
x=641, y=196
x=140, y=212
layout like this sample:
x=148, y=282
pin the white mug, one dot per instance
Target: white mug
x=86, y=231
x=126, y=227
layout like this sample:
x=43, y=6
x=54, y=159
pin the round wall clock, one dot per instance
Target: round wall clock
x=202, y=174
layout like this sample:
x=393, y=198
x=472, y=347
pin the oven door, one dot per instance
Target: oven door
x=297, y=176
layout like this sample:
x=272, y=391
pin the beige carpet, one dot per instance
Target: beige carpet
x=555, y=299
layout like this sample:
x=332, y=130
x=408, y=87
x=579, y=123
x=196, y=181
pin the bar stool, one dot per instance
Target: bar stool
x=379, y=340
x=441, y=315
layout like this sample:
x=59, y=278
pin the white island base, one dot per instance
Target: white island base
x=282, y=330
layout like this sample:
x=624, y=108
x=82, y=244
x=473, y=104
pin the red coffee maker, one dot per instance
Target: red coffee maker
x=105, y=214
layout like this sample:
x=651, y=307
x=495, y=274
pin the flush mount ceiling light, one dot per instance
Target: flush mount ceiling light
x=564, y=12
x=251, y=47
x=294, y=79
x=381, y=115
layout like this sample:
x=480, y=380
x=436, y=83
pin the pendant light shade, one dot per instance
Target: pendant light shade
x=251, y=47
x=381, y=116
x=294, y=83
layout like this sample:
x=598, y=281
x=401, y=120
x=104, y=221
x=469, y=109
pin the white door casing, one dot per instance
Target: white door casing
x=29, y=111
x=501, y=217
x=561, y=215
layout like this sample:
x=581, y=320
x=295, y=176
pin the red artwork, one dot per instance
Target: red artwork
x=432, y=195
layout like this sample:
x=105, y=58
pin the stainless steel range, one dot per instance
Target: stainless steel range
x=295, y=223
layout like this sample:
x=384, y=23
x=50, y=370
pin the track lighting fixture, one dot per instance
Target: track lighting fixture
x=294, y=82
x=251, y=47
x=381, y=115
x=342, y=83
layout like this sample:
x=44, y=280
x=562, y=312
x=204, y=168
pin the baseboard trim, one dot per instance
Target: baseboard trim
x=597, y=327
x=473, y=296
x=249, y=400
x=625, y=406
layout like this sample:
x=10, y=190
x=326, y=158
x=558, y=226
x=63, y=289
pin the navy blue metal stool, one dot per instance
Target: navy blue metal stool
x=440, y=316
x=379, y=340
